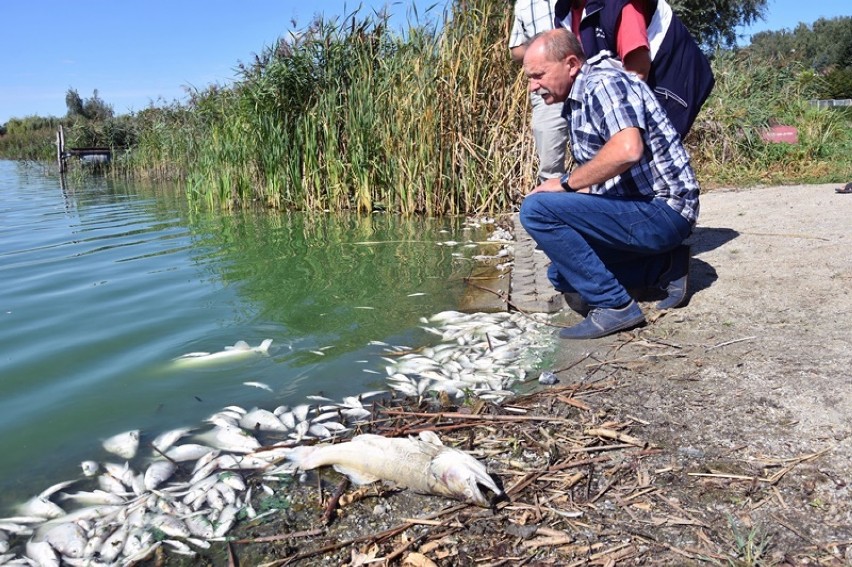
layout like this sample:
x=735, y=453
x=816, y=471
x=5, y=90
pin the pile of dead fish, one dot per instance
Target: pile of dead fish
x=483, y=354
x=192, y=486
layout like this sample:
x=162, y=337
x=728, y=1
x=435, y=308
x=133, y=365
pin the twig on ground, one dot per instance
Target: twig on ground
x=281, y=537
x=331, y=506
x=726, y=343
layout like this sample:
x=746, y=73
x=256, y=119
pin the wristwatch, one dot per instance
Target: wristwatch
x=564, y=182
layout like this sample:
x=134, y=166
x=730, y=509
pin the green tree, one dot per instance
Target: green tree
x=839, y=83
x=96, y=109
x=714, y=22
x=74, y=103
x=90, y=109
x=824, y=46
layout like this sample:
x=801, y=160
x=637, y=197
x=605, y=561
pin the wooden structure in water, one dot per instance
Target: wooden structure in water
x=94, y=155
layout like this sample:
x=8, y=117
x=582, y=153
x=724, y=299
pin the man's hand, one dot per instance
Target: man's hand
x=550, y=185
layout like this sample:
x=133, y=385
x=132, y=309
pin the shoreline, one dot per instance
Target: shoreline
x=718, y=430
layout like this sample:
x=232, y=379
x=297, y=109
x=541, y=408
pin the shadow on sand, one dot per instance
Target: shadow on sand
x=705, y=239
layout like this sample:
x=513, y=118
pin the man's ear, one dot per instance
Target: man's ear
x=573, y=63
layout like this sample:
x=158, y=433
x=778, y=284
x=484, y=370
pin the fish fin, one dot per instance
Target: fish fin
x=431, y=438
x=356, y=476
x=239, y=345
x=428, y=443
x=264, y=346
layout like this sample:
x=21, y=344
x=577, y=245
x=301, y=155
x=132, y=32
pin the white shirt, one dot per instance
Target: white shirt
x=531, y=17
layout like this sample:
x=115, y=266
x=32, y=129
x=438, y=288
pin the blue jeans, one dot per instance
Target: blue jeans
x=600, y=245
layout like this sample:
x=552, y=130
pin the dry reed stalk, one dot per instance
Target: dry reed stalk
x=575, y=403
x=618, y=436
x=282, y=537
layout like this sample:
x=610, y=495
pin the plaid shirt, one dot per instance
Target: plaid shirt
x=531, y=17
x=603, y=101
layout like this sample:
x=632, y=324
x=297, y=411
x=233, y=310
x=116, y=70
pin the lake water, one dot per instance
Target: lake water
x=104, y=283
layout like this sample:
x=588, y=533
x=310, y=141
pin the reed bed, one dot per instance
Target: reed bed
x=31, y=138
x=351, y=115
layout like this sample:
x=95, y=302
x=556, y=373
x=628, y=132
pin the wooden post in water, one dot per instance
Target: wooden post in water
x=60, y=149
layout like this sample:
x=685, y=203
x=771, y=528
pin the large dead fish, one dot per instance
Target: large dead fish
x=240, y=349
x=422, y=464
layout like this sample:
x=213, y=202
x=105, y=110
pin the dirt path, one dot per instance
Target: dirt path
x=754, y=372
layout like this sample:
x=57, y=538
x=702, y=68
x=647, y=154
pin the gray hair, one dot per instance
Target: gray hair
x=559, y=43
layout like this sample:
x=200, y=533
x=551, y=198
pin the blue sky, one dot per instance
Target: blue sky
x=135, y=53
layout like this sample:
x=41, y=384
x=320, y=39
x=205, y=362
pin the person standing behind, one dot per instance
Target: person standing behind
x=650, y=41
x=619, y=219
x=550, y=131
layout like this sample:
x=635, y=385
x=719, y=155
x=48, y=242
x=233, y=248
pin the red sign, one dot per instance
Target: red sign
x=780, y=135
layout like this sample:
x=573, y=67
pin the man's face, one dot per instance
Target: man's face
x=550, y=79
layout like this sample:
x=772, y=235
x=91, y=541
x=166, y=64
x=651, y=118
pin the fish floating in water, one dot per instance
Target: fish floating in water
x=423, y=464
x=124, y=444
x=240, y=349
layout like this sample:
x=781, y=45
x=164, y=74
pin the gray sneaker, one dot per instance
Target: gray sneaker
x=601, y=322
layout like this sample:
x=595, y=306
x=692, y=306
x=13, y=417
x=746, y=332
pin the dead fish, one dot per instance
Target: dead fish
x=42, y=553
x=40, y=506
x=169, y=525
x=157, y=473
x=124, y=444
x=263, y=420
x=238, y=350
x=94, y=498
x=231, y=439
x=67, y=538
x=165, y=440
x=90, y=468
x=113, y=545
x=123, y=473
x=188, y=452
x=422, y=464
x=229, y=462
x=109, y=483
x=200, y=526
x=7, y=527
x=226, y=519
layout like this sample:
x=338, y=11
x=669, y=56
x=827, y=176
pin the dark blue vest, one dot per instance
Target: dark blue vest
x=680, y=73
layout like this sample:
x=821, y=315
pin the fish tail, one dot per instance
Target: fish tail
x=264, y=346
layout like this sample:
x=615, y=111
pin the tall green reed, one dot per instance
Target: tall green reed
x=350, y=115
x=354, y=116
